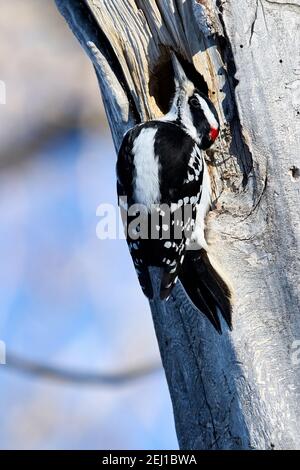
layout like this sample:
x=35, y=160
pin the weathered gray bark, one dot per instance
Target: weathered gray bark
x=239, y=390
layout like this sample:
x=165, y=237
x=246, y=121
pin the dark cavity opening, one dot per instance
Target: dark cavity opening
x=161, y=83
x=294, y=173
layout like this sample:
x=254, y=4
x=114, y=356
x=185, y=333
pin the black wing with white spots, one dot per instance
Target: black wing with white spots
x=180, y=174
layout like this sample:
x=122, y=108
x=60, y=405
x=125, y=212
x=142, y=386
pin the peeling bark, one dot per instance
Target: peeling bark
x=239, y=390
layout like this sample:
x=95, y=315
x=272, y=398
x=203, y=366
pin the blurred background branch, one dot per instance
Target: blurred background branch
x=82, y=377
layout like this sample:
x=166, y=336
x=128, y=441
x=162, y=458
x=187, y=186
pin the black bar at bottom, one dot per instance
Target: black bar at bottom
x=135, y=459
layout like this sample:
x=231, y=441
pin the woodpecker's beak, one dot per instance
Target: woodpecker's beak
x=179, y=74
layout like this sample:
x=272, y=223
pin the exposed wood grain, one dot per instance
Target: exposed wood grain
x=265, y=246
x=240, y=390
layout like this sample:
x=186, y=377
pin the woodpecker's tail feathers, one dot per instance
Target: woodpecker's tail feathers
x=145, y=282
x=206, y=288
x=168, y=281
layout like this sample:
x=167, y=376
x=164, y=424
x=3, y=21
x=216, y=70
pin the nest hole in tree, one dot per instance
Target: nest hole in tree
x=294, y=173
x=161, y=83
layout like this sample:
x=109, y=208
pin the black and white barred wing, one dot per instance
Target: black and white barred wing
x=176, y=192
x=184, y=201
x=125, y=190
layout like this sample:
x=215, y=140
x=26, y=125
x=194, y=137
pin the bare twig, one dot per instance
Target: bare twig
x=46, y=371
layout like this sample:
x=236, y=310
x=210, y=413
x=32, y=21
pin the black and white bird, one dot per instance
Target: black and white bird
x=161, y=166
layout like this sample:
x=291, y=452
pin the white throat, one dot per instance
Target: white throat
x=180, y=111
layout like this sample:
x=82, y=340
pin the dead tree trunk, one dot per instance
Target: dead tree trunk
x=238, y=390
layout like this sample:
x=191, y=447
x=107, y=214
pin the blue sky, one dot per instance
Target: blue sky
x=69, y=299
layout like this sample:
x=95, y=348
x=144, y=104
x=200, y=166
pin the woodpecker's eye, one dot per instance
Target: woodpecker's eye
x=195, y=103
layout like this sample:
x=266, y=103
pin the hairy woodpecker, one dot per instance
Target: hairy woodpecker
x=161, y=165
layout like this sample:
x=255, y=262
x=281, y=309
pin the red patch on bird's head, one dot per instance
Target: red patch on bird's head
x=213, y=134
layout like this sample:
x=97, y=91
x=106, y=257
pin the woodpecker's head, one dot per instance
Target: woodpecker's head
x=192, y=109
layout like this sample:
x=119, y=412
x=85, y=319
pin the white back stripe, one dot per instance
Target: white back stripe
x=146, y=181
